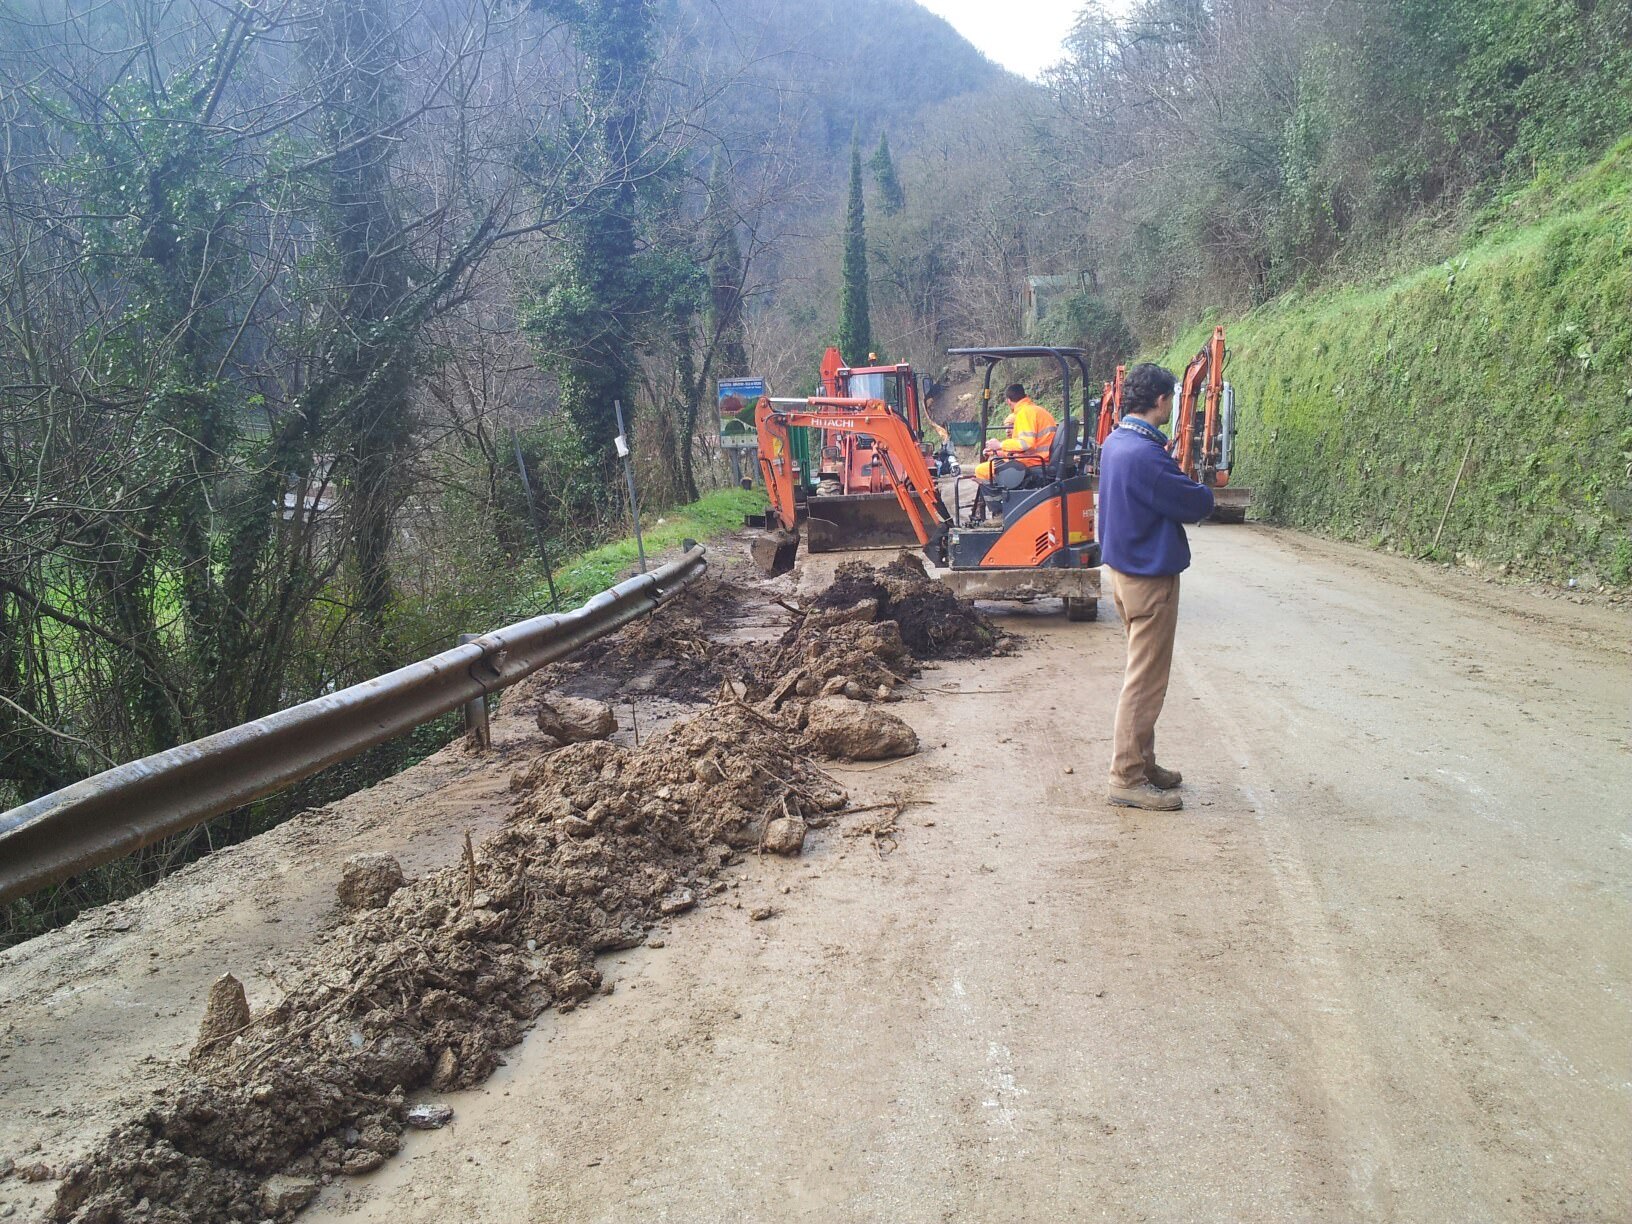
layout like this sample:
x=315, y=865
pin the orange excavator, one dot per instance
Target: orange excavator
x=1203, y=441
x=852, y=505
x=1044, y=546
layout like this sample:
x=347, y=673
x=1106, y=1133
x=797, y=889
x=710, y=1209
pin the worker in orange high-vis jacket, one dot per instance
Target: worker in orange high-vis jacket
x=1031, y=437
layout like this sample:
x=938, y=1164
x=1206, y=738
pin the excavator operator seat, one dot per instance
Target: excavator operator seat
x=1065, y=442
x=1011, y=476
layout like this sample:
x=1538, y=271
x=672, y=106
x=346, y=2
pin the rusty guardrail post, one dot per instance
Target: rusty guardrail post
x=478, y=734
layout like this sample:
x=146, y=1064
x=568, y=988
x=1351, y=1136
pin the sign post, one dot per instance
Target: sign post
x=737, y=399
x=622, y=443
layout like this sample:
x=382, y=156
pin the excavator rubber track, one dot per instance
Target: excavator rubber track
x=837, y=523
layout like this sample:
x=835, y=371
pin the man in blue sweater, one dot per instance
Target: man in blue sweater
x=1143, y=500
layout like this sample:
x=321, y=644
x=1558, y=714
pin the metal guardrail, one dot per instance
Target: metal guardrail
x=119, y=811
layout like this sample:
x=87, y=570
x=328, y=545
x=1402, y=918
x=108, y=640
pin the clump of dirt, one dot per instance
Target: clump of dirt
x=226, y=1014
x=431, y=986
x=934, y=623
x=673, y=650
x=367, y=881
x=820, y=655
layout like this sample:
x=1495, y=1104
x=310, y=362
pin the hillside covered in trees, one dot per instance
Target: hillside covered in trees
x=290, y=291
x=1411, y=214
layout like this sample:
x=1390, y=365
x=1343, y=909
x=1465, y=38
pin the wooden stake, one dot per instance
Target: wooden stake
x=1455, y=484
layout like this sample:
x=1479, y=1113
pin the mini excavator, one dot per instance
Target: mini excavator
x=1203, y=441
x=1044, y=546
x=852, y=505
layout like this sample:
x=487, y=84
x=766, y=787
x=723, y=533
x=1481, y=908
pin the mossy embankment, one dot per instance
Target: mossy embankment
x=714, y=514
x=1358, y=405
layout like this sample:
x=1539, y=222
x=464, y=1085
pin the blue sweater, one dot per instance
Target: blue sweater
x=1143, y=497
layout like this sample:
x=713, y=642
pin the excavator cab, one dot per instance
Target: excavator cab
x=1044, y=544
x=1012, y=478
x=853, y=505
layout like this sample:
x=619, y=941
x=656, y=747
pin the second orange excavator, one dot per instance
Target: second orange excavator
x=1203, y=440
x=851, y=505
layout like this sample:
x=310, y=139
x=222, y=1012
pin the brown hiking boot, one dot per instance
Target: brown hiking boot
x=1162, y=779
x=1143, y=796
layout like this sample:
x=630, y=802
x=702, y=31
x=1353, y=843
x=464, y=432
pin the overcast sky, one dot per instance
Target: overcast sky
x=1024, y=36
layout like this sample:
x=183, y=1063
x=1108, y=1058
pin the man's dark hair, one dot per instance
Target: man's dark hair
x=1145, y=384
x=1015, y=393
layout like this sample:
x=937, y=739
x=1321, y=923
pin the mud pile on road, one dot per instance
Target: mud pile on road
x=429, y=987
x=934, y=623
x=675, y=646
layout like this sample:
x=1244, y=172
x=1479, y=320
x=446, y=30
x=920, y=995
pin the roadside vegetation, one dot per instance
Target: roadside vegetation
x=1503, y=372
x=579, y=576
x=299, y=299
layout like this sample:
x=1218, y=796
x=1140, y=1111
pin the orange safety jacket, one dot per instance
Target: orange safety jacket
x=1033, y=433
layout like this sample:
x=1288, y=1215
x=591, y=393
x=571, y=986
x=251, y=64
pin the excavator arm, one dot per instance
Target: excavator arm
x=895, y=450
x=1197, y=417
x=1110, y=407
x=1204, y=430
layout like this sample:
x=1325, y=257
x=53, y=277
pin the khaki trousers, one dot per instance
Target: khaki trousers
x=1149, y=608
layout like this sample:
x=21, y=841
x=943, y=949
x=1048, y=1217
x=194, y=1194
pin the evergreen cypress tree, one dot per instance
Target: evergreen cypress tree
x=855, y=326
x=891, y=198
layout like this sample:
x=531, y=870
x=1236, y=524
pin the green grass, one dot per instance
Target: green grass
x=1358, y=405
x=588, y=574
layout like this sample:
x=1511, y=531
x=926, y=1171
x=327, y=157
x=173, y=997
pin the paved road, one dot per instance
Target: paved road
x=1379, y=969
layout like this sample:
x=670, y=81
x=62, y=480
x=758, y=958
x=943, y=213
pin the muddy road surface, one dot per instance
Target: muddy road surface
x=1378, y=969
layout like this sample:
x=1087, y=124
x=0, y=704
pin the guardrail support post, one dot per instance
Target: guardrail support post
x=478, y=734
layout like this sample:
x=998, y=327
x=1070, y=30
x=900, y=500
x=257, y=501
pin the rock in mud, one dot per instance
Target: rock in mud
x=367, y=881
x=845, y=730
x=446, y=1073
x=283, y=1195
x=785, y=835
x=226, y=1014
x=575, y=720
x=429, y=1117
x=677, y=902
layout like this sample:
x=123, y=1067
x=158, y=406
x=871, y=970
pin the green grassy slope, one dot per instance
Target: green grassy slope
x=1358, y=405
x=715, y=514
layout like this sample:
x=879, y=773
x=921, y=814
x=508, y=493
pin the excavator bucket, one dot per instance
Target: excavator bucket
x=858, y=520
x=1230, y=504
x=774, y=552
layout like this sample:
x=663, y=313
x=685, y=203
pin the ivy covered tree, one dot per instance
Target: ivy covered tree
x=855, y=326
x=371, y=349
x=583, y=323
x=725, y=275
x=891, y=197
